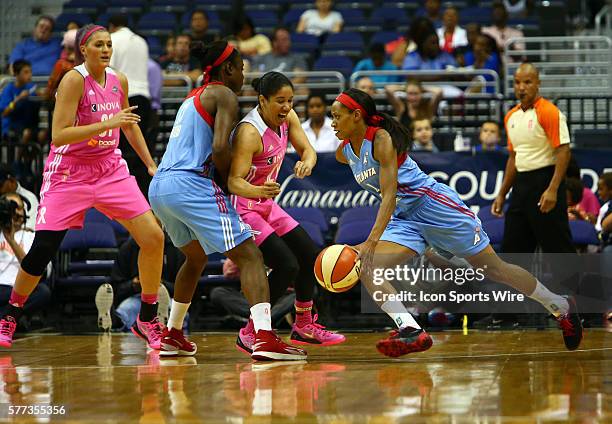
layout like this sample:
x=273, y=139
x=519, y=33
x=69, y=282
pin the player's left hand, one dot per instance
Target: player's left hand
x=152, y=170
x=302, y=169
x=548, y=200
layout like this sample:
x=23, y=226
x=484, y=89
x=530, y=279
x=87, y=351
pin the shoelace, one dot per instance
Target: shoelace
x=7, y=327
x=319, y=328
x=566, y=326
x=157, y=329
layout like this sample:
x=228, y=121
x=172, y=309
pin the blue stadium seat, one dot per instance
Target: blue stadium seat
x=366, y=213
x=126, y=6
x=312, y=215
x=304, y=43
x=341, y=64
x=583, y=233
x=314, y=232
x=175, y=6
x=301, y=4
x=354, y=232
x=343, y=43
x=384, y=37
x=62, y=20
x=292, y=17
x=479, y=15
x=402, y=4
x=103, y=20
x=95, y=216
x=92, y=235
x=155, y=47
x=213, y=5
x=157, y=23
x=352, y=14
x=343, y=5
x=390, y=15
x=495, y=230
x=271, y=5
x=84, y=6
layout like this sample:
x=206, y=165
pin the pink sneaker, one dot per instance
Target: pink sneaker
x=150, y=331
x=174, y=343
x=7, y=329
x=315, y=334
x=245, y=340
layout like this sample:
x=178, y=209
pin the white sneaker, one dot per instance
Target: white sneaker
x=104, y=302
x=163, y=304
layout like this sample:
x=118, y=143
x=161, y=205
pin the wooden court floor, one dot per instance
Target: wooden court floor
x=485, y=377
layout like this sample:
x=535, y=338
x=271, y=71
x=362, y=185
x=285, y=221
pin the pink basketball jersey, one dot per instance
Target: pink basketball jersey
x=97, y=104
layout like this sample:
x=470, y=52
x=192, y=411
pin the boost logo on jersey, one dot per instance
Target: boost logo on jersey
x=101, y=143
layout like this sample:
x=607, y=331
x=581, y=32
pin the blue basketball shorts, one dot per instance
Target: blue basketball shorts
x=442, y=220
x=192, y=207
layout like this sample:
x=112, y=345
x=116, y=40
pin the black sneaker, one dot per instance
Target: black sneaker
x=406, y=340
x=571, y=325
x=496, y=322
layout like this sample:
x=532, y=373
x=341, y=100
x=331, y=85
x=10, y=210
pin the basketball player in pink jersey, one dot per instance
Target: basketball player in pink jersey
x=259, y=144
x=85, y=169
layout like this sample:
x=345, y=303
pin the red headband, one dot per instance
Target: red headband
x=350, y=103
x=88, y=34
x=229, y=49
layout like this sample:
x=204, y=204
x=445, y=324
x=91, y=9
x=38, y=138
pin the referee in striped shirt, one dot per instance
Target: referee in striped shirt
x=538, y=142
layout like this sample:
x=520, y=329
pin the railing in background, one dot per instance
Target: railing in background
x=576, y=65
x=603, y=21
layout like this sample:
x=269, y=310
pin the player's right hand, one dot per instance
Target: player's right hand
x=125, y=117
x=497, y=208
x=269, y=190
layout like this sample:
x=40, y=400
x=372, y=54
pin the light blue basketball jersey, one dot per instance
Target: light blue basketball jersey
x=412, y=183
x=190, y=144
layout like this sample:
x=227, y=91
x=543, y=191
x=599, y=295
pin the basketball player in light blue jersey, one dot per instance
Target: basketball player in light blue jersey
x=196, y=212
x=415, y=211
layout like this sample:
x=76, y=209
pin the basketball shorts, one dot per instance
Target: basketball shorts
x=264, y=217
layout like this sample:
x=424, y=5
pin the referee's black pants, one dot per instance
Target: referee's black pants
x=526, y=227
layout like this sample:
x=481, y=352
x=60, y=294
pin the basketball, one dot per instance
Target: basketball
x=336, y=269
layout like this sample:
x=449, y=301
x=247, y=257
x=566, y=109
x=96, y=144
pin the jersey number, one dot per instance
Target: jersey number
x=106, y=117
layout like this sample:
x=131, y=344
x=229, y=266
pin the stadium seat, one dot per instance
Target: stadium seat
x=155, y=47
x=62, y=20
x=157, y=23
x=83, y=6
x=93, y=235
x=391, y=16
x=343, y=44
x=384, y=37
x=126, y=6
x=495, y=230
x=270, y=5
x=292, y=17
x=301, y=4
x=213, y=5
x=175, y=6
x=583, y=233
x=402, y=4
x=304, y=43
x=103, y=20
x=341, y=64
x=366, y=213
x=312, y=215
x=479, y=15
x=354, y=232
x=314, y=232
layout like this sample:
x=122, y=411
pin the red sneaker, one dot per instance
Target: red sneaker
x=174, y=343
x=406, y=340
x=269, y=347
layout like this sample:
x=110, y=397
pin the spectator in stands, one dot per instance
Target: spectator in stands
x=432, y=11
x=19, y=112
x=321, y=20
x=182, y=63
x=125, y=285
x=428, y=56
x=483, y=56
x=451, y=35
x=279, y=58
x=377, y=62
x=398, y=49
x=366, y=84
x=473, y=30
x=248, y=43
x=168, y=49
x=41, y=50
x=604, y=220
x=15, y=241
x=489, y=138
x=519, y=8
x=63, y=65
x=130, y=56
x=589, y=203
x=10, y=184
x=500, y=31
x=422, y=134
x=73, y=25
x=199, y=27
x=318, y=127
x=416, y=105
x=573, y=189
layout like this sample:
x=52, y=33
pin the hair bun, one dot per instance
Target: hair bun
x=256, y=84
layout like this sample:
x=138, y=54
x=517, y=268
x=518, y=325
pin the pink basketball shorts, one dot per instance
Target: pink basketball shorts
x=265, y=218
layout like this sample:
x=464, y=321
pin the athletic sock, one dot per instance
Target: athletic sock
x=261, y=317
x=555, y=304
x=148, y=306
x=398, y=313
x=177, y=314
x=303, y=313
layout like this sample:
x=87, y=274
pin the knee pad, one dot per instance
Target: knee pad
x=44, y=248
